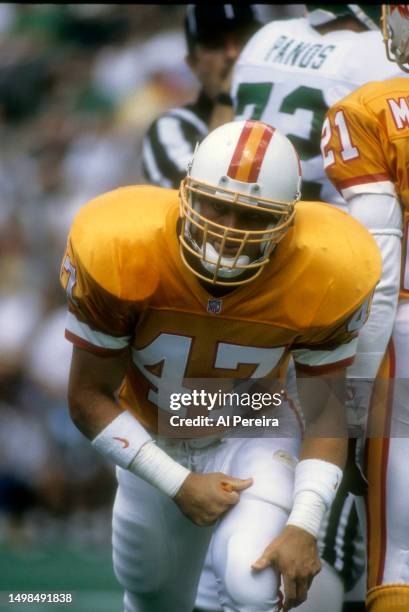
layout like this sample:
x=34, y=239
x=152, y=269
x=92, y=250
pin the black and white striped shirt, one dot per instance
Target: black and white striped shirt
x=170, y=142
x=341, y=543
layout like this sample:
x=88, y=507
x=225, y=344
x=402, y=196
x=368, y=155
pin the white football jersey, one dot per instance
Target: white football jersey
x=288, y=75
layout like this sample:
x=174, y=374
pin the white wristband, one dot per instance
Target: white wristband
x=156, y=467
x=122, y=439
x=315, y=486
x=127, y=443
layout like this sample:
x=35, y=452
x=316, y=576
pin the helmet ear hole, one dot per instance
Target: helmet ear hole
x=244, y=164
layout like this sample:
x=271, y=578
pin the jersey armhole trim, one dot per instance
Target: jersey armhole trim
x=91, y=348
x=363, y=180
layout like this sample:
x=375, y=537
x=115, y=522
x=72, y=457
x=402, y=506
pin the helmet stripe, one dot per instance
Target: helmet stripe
x=250, y=150
x=238, y=152
x=261, y=150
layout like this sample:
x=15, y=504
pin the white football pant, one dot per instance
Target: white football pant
x=158, y=553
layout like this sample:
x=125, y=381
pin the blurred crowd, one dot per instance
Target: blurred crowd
x=79, y=85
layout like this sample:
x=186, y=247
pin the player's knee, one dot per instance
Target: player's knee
x=242, y=588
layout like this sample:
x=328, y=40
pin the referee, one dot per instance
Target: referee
x=215, y=35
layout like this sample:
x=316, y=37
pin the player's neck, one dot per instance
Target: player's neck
x=216, y=290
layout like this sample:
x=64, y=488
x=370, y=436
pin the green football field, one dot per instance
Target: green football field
x=87, y=574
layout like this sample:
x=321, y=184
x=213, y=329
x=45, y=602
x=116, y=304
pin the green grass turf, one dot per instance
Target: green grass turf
x=88, y=574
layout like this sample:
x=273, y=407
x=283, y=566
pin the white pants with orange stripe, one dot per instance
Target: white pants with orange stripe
x=388, y=477
x=158, y=553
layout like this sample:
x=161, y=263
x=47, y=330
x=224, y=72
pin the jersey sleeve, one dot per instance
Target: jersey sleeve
x=324, y=350
x=96, y=320
x=351, y=146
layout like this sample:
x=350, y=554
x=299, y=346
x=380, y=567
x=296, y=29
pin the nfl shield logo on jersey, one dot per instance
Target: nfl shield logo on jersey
x=214, y=306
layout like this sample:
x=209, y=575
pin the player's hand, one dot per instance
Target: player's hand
x=294, y=555
x=203, y=498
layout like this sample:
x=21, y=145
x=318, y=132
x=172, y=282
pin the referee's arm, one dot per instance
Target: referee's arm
x=168, y=148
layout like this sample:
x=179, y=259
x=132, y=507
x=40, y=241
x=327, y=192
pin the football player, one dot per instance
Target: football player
x=365, y=148
x=291, y=71
x=226, y=282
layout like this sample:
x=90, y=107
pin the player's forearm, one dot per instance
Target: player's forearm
x=324, y=450
x=119, y=437
x=91, y=410
x=332, y=450
x=322, y=399
x=325, y=435
x=117, y=434
x=92, y=387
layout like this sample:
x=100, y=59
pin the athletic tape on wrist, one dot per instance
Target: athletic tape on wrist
x=307, y=513
x=319, y=476
x=156, y=467
x=127, y=443
x=122, y=439
x=315, y=486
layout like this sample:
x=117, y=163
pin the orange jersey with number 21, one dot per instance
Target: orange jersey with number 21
x=365, y=147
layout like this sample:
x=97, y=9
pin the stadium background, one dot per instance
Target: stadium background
x=79, y=85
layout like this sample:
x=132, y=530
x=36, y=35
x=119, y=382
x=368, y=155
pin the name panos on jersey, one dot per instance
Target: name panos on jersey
x=127, y=286
x=365, y=147
x=289, y=74
x=291, y=51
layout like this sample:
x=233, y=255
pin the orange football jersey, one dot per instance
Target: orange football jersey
x=127, y=286
x=365, y=147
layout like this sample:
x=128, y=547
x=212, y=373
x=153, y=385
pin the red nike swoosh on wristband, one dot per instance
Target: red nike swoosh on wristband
x=124, y=441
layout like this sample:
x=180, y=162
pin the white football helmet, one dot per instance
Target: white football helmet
x=395, y=27
x=247, y=164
